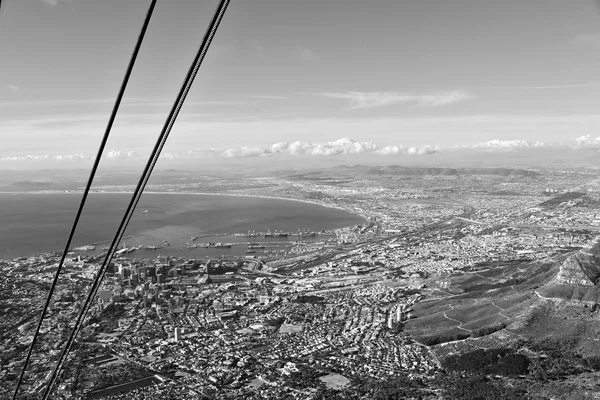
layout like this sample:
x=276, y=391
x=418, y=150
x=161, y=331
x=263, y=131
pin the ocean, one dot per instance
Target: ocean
x=34, y=223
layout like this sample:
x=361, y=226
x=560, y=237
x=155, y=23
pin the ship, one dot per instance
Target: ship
x=194, y=238
x=145, y=212
x=216, y=245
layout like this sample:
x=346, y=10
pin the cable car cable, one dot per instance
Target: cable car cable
x=88, y=186
x=192, y=72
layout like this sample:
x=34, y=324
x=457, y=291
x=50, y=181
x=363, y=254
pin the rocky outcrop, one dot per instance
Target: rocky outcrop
x=582, y=268
x=571, y=273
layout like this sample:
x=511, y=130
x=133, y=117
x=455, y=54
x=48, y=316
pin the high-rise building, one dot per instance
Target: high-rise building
x=151, y=271
x=177, y=334
x=105, y=295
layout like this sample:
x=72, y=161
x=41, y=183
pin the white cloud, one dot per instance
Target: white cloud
x=122, y=155
x=14, y=88
x=582, y=142
x=396, y=150
x=586, y=141
x=342, y=146
x=380, y=99
x=44, y=157
x=503, y=145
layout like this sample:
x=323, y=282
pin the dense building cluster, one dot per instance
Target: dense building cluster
x=270, y=327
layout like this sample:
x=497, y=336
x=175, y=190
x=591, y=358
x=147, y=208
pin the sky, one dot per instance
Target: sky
x=408, y=75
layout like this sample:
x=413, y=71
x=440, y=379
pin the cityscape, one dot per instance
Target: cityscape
x=299, y=200
x=461, y=265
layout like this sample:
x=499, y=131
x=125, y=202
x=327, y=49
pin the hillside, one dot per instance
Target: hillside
x=503, y=296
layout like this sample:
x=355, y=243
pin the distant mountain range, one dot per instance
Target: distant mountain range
x=360, y=171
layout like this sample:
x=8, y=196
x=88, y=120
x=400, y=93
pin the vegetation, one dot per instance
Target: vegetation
x=489, y=286
x=492, y=361
x=481, y=388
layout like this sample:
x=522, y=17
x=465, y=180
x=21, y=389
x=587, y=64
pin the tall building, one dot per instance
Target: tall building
x=177, y=334
x=105, y=295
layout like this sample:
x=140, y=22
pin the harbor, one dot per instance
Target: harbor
x=260, y=244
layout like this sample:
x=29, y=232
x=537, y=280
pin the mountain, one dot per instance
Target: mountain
x=578, y=277
x=364, y=171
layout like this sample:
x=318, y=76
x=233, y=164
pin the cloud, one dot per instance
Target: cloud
x=381, y=99
x=503, y=145
x=587, y=39
x=581, y=142
x=305, y=54
x=584, y=142
x=14, y=88
x=56, y=157
x=340, y=147
x=122, y=155
x=397, y=150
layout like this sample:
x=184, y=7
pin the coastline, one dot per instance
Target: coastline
x=363, y=218
x=326, y=205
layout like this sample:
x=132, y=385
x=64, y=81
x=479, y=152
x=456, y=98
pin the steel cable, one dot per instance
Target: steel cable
x=103, y=142
x=170, y=121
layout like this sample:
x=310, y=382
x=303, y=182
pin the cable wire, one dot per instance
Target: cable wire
x=107, y=131
x=162, y=138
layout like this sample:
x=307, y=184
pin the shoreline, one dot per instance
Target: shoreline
x=306, y=201
x=326, y=205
